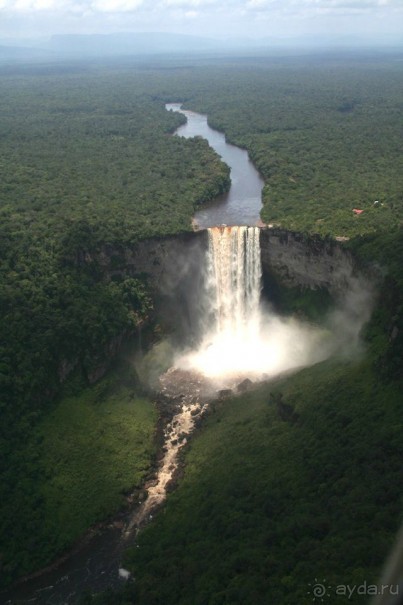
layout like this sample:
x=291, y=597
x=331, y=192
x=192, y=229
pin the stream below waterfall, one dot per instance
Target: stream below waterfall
x=95, y=565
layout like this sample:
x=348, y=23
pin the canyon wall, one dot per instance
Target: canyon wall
x=171, y=263
x=297, y=260
x=173, y=268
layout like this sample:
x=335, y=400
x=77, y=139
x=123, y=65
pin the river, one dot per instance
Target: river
x=96, y=564
x=241, y=205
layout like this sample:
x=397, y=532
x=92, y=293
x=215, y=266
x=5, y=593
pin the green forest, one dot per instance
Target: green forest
x=88, y=159
x=325, y=137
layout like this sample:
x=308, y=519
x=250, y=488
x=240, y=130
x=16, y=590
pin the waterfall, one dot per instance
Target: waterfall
x=240, y=338
x=234, y=279
x=232, y=316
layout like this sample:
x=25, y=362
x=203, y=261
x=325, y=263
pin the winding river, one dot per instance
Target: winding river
x=241, y=205
x=96, y=564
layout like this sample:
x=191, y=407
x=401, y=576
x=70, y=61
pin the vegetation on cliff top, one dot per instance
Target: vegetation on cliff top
x=325, y=136
x=86, y=161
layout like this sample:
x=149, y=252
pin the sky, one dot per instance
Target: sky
x=207, y=18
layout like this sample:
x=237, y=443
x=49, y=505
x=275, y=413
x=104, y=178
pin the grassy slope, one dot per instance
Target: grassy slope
x=80, y=460
x=267, y=505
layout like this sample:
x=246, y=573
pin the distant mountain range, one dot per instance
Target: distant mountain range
x=131, y=44
x=152, y=43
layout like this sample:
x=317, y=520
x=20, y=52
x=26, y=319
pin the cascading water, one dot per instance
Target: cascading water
x=233, y=320
x=240, y=339
x=234, y=278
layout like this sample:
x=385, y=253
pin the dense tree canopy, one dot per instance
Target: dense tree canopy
x=326, y=136
x=85, y=161
x=87, y=158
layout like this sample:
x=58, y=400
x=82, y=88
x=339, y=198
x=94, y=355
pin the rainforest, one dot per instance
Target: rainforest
x=288, y=480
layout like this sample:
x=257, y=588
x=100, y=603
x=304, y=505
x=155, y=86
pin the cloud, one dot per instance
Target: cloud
x=343, y=4
x=29, y=5
x=231, y=6
x=191, y=14
x=216, y=18
x=116, y=6
x=62, y=7
x=312, y=5
x=109, y=6
x=261, y=4
x=189, y=3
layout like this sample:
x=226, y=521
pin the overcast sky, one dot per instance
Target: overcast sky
x=213, y=18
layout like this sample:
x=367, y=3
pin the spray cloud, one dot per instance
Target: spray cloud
x=242, y=339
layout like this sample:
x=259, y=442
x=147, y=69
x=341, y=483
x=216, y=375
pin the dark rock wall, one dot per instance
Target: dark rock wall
x=297, y=260
x=173, y=269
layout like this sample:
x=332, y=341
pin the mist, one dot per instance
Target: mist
x=242, y=336
x=278, y=344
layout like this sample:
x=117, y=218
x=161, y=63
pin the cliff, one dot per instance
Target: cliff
x=172, y=268
x=296, y=260
x=174, y=263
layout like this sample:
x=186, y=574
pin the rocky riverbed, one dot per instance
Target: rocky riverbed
x=182, y=400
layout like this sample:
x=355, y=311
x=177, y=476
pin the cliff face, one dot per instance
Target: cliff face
x=172, y=268
x=296, y=260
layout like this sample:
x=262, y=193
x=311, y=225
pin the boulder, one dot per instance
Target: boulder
x=244, y=386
